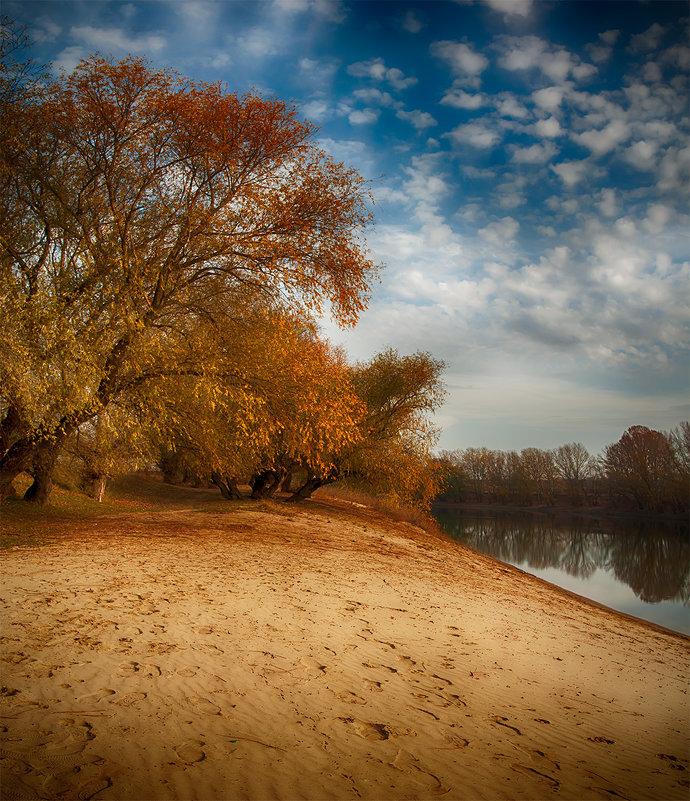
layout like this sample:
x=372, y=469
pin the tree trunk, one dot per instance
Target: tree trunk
x=286, y=485
x=265, y=484
x=13, y=462
x=43, y=467
x=227, y=486
x=279, y=475
x=10, y=429
x=99, y=487
x=306, y=490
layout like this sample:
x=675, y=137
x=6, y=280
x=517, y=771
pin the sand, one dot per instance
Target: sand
x=321, y=652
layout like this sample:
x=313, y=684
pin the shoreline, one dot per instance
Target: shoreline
x=603, y=512
x=214, y=652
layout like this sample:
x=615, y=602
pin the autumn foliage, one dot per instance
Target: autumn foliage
x=166, y=247
x=645, y=470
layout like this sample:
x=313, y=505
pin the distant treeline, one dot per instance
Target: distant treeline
x=646, y=470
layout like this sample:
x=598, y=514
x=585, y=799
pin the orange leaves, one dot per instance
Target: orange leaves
x=140, y=207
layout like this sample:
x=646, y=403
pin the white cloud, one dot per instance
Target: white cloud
x=109, y=39
x=605, y=139
x=658, y=215
x=349, y=151
x=221, y=59
x=535, y=154
x=291, y=6
x=610, y=37
x=425, y=182
x=397, y=79
x=458, y=98
x=549, y=98
x=548, y=128
x=500, y=232
x=260, y=42
x=601, y=51
x=317, y=72
x=419, y=119
x=516, y=8
x=677, y=56
x=475, y=134
x=363, y=117
x=318, y=110
x=197, y=14
x=331, y=10
x=570, y=172
x=608, y=205
x=67, y=59
x=507, y=105
x=411, y=22
x=642, y=155
x=376, y=69
x=532, y=53
x=464, y=60
x=649, y=40
x=372, y=95
x=674, y=171
x=45, y=30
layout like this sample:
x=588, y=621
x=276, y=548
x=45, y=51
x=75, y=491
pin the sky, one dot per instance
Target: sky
x=529, y=161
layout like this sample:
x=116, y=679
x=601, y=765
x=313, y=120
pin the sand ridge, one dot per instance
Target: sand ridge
x=318, y=653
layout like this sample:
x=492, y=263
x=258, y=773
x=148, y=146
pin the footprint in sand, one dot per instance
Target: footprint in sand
x=95, y=697
x=350, y=698
x=188, y=672
x=369, y=731
x=130, y=668
x=203, y=706
x=129, y=699
x=89, y=788
x=190, y=751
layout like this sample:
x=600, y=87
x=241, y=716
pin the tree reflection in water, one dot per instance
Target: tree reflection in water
x=651, y=557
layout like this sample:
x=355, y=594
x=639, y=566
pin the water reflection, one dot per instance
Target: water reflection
x=652, y=558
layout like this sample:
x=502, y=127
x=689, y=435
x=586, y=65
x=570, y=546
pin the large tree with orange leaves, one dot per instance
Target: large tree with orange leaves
x=134, y=205
x=286, y=403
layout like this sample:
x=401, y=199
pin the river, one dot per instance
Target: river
x=639, y=567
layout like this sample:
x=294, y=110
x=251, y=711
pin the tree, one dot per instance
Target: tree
x=394, y=452
x=475, y=464
x=538, y=468
x=639, y=467
x=291, y=406
x=135, y=204
x=453, y=478
x=108, y=445
x=679, y=439
x=574, y=466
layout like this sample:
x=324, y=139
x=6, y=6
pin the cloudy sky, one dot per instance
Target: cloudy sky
x=529, y=161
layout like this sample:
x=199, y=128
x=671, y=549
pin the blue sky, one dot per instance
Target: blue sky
x=529, y=162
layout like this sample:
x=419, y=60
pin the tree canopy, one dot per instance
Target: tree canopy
x=140, y=211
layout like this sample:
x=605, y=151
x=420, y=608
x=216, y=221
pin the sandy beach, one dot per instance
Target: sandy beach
x=320, y=652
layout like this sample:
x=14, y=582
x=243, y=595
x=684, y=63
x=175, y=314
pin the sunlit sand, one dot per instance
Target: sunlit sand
x=321, y=652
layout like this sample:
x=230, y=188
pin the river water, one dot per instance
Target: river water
x=640, y=567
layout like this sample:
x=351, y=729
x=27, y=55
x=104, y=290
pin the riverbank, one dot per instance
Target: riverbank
x=589, y=512
x=211, y=651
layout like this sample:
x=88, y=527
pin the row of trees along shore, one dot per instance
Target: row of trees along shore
x=646, y=470
x=166, y=250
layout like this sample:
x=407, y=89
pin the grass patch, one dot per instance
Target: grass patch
x=386, y=506
x=21, y=540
